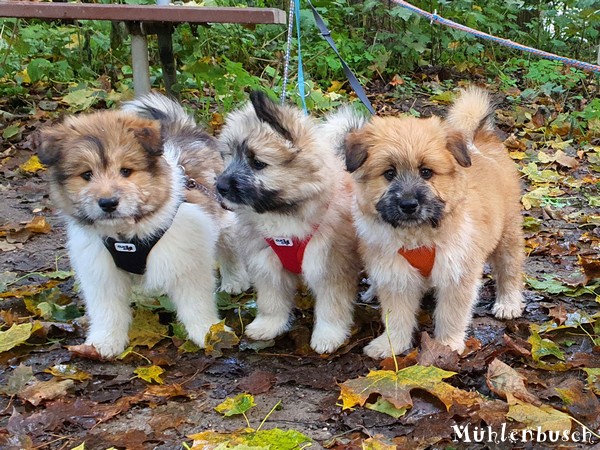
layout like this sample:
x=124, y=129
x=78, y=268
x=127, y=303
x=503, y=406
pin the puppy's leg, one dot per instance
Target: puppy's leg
x=106, y=290
x=275, y=289
x=194, y=300
x=399, y=310
x=234, y=275
x=453, y=311
x=334, y=306
x=507, y=265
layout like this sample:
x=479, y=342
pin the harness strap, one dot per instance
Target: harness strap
x=290, y=251
x=131, y=255
x=421, y=258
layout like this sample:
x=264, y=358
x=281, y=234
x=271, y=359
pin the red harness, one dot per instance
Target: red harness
x=290, y=251
x=421, y=258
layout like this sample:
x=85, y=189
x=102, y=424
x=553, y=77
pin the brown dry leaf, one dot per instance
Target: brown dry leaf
x=581, y=403
x=85, y=351
x=39, y=224
x=514, y=347
x=378, y=442
x=434, y=353
x=45, y=390
x=258, y=382
x=591, y=268
x=565, y=160
x=503, y=380
x=167, y=391
x=401, y=361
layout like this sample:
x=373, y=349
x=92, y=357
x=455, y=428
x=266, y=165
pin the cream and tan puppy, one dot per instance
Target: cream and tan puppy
x=293, y=199
x=119, y=179
x=435, y=200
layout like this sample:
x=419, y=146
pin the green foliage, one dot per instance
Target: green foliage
x=377, y=39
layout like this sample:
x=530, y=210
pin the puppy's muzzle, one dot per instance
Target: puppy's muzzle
x=108, y=204
x=225, y=184
x=408, y=205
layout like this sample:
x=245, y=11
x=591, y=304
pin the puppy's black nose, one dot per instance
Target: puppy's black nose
x=224, y=184
x=408, y=205
x=108, y=204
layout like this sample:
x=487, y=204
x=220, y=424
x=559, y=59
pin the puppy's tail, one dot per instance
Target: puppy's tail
x=338, y=124
x=472, y=112
x=156, y=106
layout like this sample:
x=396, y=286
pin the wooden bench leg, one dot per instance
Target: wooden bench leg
x=139, y=60
x=167, y=61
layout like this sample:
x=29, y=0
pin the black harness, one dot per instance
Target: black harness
x=131, y=255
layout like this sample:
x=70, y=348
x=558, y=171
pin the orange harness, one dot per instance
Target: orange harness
x=421, y=258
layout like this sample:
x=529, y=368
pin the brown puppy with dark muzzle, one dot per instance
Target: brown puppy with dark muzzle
x=435, y=200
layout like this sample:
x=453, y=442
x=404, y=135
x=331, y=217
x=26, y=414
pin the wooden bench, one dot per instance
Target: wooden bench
x=142, y=20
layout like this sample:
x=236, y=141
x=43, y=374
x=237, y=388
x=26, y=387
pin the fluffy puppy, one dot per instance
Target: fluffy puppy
x=293, y=199
x=435, y=200
x=119, y=179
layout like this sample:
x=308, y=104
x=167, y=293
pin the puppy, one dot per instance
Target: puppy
x=119, y=178
x=435, y=200
x=293, y=199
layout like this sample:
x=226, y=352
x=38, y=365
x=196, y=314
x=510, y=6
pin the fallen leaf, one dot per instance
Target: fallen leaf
x=401, y=361
x=258, y=382
x=15, y=335
x=236, y=405
x=39, y=225
x=383, y=406
x=593, y=379
x=378, y=442
x=434, y=353
x=45, y=390
x=581, y=403
x=17, y=380
x=32, y=165
x=395, y=387
x=251, y=440
x=85, y=351
x=68, y=371
x=150, y=373
x=219, y=338
x=566, y=161
x=543, y=347
x=505, y=381
x=545, y=417
x=146, y=329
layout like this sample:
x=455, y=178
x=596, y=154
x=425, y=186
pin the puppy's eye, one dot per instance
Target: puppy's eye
x=256, y=164
x=125, y=172
x=87, y=176
x=426, y=173
x=389, y=174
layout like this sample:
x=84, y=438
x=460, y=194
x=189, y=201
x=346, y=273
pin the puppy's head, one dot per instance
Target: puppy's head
x=106, y=167
x=272, y=159
x=408, y=170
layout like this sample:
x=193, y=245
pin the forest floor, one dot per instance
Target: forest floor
x=542, y=369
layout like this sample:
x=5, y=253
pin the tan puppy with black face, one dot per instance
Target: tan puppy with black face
x=119, y=179
x=293, y=200
x=435, y=200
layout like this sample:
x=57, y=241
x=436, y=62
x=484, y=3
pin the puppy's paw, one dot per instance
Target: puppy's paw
x=108, y=348
x=328, y=338
x=508, y=309
x=234, y=285
x=380, y=348
x=266, y=327
x=197, y=333
x=457, y=344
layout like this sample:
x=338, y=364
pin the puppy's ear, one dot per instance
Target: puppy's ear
x=457, y=145
x=356, y=151
x=269, y=112
x=48, y=144
x=149, y=137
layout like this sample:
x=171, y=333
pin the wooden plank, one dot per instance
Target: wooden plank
x=140, y=13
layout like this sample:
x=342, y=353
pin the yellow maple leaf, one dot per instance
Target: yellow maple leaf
x=146, y=329
x=218, y=338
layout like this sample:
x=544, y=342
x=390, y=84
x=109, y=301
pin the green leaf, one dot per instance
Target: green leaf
x=543, y=347
x=383, y=406
x=82, y=99
x=11, y=131
x=236, y=405
x=38, y=68
x=274, y=439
